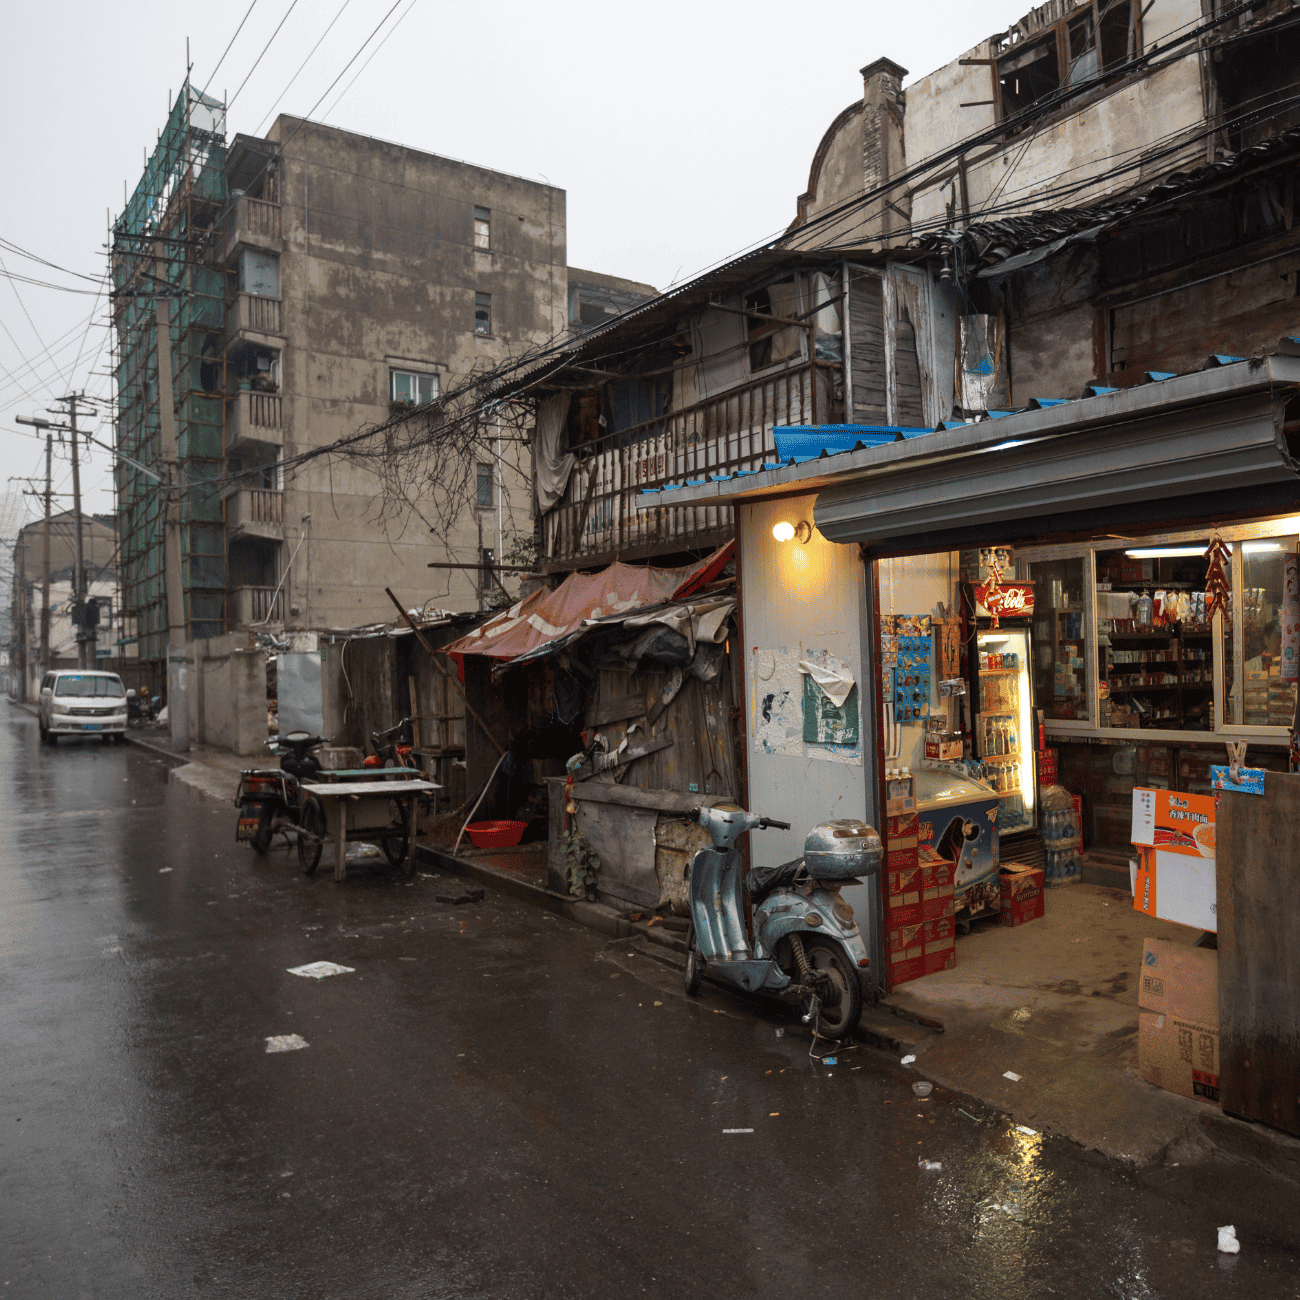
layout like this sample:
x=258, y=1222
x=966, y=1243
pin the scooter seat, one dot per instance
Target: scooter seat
x=761, y=881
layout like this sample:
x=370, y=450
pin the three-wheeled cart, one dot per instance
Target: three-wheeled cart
x=374, y=804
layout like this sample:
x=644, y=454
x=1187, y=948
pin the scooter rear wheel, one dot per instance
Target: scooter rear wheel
x=694, y=964
x=310, y=843
x=841, y=1007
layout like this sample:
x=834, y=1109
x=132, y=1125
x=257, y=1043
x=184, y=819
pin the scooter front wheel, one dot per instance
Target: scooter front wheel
x=841, y=989
x=694, y=964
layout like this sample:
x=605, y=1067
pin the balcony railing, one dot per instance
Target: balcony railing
x=249, y=605
x=257, y=511
x=249, y=311
x=250, y=219
x=254, y=417
x=598, y=516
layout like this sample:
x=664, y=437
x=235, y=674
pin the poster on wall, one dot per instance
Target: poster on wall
x=830, y=701
x=794, y=709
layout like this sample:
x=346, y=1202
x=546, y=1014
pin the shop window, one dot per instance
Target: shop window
x=1061, y=679
x=412, y=387
x=1155, y=663
x=1267, y=697
x=482, y=228
x=1097, y=37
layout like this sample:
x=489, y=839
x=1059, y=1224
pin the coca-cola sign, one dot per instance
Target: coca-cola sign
x=1007, y=600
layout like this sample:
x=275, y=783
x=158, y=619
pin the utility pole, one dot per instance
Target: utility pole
x=38, y=423
x=45, y=563
x=178, y=698
x=84, y=634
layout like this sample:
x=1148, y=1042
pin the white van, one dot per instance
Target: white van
x=76, y=702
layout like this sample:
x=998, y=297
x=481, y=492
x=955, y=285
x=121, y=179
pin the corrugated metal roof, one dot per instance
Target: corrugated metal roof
x=986, y=244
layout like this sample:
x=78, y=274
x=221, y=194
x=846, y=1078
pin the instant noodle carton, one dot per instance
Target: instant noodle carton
x=1174, y=834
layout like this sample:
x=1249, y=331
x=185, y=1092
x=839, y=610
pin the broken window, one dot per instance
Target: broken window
x=411, y=388
x=772, y=341
x=482, y=227
x=1099, y=36
x=482, y=313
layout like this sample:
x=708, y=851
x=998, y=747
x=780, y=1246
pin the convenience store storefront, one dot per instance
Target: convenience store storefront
x=1137, y=686
x=1130, y=695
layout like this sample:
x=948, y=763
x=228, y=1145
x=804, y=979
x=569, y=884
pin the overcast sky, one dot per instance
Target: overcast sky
x=683, y=131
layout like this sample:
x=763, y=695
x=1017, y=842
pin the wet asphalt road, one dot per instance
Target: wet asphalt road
x=495, y=1103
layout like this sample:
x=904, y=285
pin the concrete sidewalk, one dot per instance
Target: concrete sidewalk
x=1053, y=1001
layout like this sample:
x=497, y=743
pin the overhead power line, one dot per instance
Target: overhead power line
x=226, y=51
x=292, y=6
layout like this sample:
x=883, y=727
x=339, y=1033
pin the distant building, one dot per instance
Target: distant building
x=332, y=281
x=111, y=633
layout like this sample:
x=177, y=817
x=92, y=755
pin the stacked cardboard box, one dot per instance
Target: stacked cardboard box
x=938, y=932
x=1022, y=893
x=1178, y=1019
x=905, y=953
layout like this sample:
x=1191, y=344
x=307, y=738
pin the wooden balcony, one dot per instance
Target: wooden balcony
x=254, y=417
x=246, y=606
x=252, y=314
x=255, y=222
x=255, y=512
x=597, y=520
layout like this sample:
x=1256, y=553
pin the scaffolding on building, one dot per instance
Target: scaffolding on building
x=166, y=244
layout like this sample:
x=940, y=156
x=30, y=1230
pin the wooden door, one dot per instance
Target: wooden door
x=1259, y=953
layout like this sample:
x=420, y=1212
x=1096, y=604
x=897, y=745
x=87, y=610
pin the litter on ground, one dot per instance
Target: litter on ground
x=285, y=1043
x=1012, y=1075
x=907, y=1060
x=318, y=970
x=1228, y=1242
x=933, y=1165
x=737, y=1130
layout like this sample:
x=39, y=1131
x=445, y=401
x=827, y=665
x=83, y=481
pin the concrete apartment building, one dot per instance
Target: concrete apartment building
x=322, y=283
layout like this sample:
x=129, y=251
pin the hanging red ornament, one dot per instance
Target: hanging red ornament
x=1216, y=578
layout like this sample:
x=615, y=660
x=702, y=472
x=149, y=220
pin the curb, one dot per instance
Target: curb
x=879, y=1027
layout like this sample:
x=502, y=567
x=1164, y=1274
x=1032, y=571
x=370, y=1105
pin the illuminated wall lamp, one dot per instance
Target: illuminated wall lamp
x=800, y=532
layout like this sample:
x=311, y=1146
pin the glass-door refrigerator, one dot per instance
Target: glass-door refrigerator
x=1001, y=703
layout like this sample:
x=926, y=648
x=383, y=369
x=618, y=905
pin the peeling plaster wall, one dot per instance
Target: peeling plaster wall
x=1127, y=120
x=796, y=597
x=379, y=268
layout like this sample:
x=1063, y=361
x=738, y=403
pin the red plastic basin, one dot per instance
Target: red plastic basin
x=495, y=835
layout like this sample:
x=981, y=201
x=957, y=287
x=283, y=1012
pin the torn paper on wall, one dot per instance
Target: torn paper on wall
x=777, y=702
x=792, y=713
x=831, y=675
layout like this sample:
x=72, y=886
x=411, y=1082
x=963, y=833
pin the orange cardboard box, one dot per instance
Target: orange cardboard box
x=905, y=941
x=1173, y=822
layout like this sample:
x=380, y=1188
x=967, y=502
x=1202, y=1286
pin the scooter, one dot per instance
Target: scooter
x=270, y=800
x=806, y=944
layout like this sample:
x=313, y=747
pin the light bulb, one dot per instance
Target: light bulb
x=783, y=532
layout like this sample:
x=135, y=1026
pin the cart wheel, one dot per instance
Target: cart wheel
x=313, y=826
x=395, y=845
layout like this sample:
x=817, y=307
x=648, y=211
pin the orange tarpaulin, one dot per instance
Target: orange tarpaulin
x=548, y=615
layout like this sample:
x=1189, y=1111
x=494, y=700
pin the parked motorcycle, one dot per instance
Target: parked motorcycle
x=806, y=945
x=271, y=801
x=392, y=748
